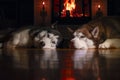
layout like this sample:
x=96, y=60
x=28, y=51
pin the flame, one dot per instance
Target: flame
x=69, y=5
x=99, y=6
x=43, y=3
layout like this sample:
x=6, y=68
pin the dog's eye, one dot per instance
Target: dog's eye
x=82, y=36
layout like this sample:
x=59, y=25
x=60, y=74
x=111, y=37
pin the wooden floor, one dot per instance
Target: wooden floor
x=61, y=64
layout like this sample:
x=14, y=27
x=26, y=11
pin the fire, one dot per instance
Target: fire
x=69, y=5
x=43, y=3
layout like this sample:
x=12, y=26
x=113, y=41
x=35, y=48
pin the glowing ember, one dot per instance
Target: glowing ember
x=69, y=5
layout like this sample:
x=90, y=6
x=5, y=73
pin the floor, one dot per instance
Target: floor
x=60, y=64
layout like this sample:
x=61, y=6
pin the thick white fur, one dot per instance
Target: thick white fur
x=82, y=42
x=49, y=39
x=54, y=39
x=110, y=43
x=40, y=35
x=79, y=44
x=47, y=42
x=19, y=39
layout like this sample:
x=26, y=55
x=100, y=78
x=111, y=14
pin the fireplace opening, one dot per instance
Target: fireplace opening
x=71, y=11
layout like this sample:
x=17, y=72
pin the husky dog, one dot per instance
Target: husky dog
x=46, y=39
x=100, y=33
x=34, y=37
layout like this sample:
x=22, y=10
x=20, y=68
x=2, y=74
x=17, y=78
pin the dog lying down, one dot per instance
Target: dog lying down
x=33, y=38
x=86, y=43
x=101, y=33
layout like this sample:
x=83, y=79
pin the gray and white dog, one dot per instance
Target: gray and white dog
x=33, y=37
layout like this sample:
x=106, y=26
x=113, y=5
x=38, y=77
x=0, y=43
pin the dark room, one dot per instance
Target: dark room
x=59, y=39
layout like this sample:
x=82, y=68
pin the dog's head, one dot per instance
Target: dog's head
x=84, y=39
x=46, y=39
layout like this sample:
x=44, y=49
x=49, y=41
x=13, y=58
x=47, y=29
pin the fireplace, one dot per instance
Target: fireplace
x=71, y=11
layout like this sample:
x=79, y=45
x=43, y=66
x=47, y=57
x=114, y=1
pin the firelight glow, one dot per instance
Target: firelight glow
x=69, y=5
x=99, y=6
x=43, y=3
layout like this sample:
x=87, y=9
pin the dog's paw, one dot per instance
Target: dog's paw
x=104, y=45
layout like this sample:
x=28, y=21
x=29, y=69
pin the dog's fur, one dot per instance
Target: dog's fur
x=33, y=37
x=47, y=39
x=102, y=33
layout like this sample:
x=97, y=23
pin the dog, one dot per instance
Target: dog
x=103, y=33
x=46, y=39
x=32, y=37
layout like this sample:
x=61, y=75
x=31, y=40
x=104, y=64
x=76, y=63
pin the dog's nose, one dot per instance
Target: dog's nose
x=42, y=44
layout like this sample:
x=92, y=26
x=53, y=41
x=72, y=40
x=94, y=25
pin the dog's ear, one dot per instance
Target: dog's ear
x=95, y=32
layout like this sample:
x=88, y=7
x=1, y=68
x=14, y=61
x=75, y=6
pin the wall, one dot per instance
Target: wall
x=94, y=6
x=37, y=9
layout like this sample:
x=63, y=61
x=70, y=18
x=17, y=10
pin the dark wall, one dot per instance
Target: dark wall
x=114, y=7
x=15, y=13
x=25, y=12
